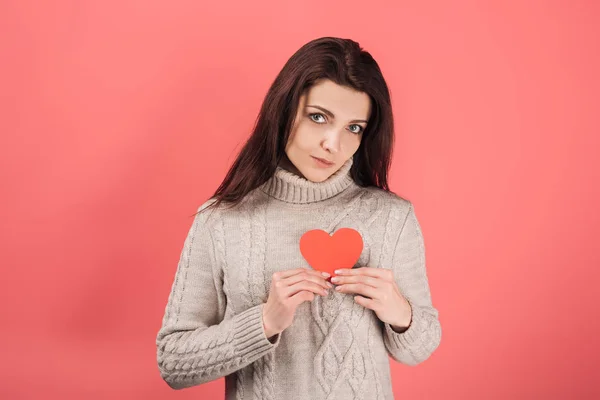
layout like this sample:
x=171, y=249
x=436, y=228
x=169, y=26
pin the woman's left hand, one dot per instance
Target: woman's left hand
x=379, y=292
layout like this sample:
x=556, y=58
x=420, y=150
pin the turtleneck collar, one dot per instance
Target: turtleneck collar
x=291, y=188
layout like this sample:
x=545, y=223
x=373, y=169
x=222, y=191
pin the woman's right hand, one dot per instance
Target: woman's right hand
x=289, y=289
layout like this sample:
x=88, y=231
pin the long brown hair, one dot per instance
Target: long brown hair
x=342, y=61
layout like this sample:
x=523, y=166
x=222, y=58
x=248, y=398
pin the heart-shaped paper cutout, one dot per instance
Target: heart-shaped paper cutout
x=327, y=253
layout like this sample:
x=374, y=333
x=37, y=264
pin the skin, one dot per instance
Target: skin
x=316, y=133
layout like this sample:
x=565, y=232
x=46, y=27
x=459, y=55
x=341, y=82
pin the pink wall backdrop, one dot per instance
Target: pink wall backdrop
x=119, y=118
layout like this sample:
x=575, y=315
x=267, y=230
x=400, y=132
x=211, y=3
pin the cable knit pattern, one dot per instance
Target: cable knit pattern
x=336, y=362
x=335, y=349
x=263, y=367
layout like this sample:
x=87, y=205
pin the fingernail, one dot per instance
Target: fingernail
x=325, y=274
x=329, y=285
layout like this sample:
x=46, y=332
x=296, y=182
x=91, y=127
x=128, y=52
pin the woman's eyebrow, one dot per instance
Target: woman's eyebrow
x=326, y=111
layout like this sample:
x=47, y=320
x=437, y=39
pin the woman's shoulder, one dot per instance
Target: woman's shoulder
x=209, y=212
x=385, y=197
x=212, y=212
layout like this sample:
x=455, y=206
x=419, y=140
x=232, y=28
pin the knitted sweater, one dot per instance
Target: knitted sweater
x=335, y=348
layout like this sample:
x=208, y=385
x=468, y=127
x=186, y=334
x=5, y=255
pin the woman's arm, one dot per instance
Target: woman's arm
x=194, y=344
x=423, y=335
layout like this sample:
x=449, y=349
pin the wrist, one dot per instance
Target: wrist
x=404, y=323
x=400, y=328
x=268, y=331
x=271, y=336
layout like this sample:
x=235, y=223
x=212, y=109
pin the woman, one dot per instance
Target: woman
x=246, y=305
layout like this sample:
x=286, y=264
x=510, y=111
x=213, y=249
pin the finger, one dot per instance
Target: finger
x=382, y=273
x=367, y=280
x=366, y=302
x=300, y=297
x=314, y=272
x=359, y=288
x=302, y=276
x=304, y=285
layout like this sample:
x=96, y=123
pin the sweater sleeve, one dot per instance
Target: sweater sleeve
x=423, y=335
x=195, y=344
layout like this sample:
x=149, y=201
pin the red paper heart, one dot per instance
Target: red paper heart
x=328, y=253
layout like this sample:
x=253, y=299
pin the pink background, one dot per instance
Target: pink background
x=119, y=118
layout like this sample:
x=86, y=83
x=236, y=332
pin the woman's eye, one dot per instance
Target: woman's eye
x=359, y=130
x=315, y=115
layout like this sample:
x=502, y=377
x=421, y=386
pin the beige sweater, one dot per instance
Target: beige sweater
x=335, y=348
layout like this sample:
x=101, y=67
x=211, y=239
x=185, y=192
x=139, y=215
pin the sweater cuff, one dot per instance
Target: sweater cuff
x=249, y=336
x=407, y=338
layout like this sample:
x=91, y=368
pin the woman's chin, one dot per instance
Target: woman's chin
x=317, y=176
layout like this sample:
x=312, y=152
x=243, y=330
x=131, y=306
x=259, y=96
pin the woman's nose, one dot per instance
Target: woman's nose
x=331, y=142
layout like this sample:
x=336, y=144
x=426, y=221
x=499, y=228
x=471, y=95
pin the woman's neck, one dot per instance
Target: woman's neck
x=287, y=165
x=292, y=187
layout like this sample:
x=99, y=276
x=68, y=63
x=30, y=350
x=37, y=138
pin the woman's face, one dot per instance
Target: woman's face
x=329, y=125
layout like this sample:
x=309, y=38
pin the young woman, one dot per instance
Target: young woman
x=247, y=306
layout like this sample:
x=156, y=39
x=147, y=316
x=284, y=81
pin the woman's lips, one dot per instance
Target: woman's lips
x=322, y=163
